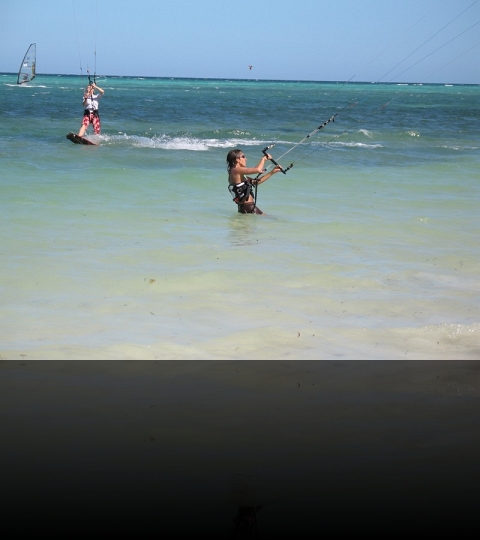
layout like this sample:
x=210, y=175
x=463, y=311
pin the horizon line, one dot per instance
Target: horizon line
x=14, y=74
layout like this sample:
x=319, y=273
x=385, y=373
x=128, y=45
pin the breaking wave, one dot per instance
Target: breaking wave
x=185, y=142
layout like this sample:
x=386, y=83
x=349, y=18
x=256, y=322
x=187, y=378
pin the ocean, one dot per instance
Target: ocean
x=134, y=249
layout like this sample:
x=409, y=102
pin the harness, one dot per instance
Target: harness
x=240, y=192
x=88, y=112
x=91, y=106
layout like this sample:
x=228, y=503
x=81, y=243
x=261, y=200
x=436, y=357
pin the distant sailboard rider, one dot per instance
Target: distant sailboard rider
x=90, y=109
x=241, y=186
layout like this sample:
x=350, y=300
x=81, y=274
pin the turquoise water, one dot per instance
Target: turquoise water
x=134, y=249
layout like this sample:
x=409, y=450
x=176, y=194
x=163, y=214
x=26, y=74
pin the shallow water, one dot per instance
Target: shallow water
x=134, y=249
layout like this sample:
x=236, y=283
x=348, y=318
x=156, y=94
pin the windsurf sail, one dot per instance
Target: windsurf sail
x=26, y=72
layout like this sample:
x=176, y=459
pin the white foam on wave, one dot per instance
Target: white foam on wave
x=27, y=85
x=195, y=144
x=365, y=132
x=165, y=142
x=171, y=143
x=457, y=147
x=353, y=145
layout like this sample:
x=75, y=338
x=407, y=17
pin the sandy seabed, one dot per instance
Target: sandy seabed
x=177, y=446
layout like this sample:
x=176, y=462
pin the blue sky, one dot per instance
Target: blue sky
x=369, y=40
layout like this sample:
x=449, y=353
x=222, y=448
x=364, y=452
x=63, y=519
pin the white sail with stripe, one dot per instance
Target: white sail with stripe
x=26, y=72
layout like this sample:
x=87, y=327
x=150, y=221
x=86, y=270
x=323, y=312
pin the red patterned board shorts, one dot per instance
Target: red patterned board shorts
x=94, y=119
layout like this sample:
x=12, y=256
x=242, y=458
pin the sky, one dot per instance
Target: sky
x=428, y=41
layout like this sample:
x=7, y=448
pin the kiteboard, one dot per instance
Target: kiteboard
x=79, y=140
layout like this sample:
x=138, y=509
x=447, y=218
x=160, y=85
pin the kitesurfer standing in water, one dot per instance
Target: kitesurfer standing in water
x=240, y=186
x=90, y=106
